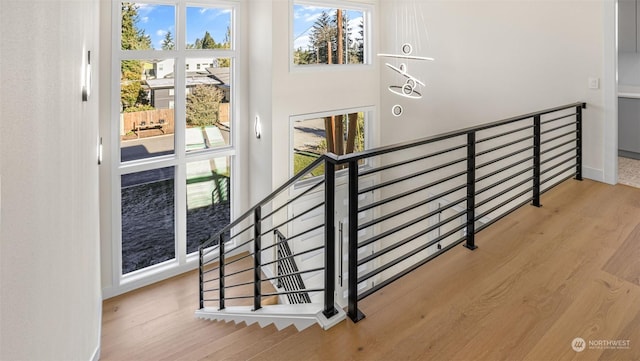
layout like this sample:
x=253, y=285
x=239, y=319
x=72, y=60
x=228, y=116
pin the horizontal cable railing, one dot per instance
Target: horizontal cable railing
x=424, y=197
x=253, y=259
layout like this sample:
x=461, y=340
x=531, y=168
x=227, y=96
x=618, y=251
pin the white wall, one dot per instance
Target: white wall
x=260, y=30
x=496, y=59
x=50, y=301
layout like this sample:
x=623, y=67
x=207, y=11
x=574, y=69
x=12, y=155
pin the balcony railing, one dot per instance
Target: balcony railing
x=425, y=197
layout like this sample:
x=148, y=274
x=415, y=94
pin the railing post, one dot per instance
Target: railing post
x=257, y=259
x=537, y=131
x=353, y=311
x=579, y=140
x=201, y=275
x=278, y=265
x=221, y=272
x=471, y=191
x=329, y=239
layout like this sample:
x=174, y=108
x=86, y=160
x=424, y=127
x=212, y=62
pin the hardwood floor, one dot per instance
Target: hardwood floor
x=540, y=278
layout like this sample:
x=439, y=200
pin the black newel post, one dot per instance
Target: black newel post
x=201, y=275
x=353, y=311
x=329, y=239
x=257, y=265
x=221, y=271
x=579, y=140
x=471, y=191
x=536, y=160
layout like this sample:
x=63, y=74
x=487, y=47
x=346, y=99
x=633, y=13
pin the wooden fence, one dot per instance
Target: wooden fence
x=142, y=122
x=152, y=122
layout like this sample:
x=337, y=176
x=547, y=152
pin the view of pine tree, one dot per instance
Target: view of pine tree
x=303, y=57
x=353, y=48
x=322, y=38
x=133, y=38
x=132, y=95
x=203, y=104
x=208, y=42
x=359, y=46
x=227, y=39
x=168, y=43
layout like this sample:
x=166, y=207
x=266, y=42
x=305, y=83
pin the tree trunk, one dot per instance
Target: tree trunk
x=328, y=130
x=352, y=132
x=338, y=141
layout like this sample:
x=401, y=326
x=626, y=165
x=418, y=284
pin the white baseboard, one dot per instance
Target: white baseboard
x=593, y=174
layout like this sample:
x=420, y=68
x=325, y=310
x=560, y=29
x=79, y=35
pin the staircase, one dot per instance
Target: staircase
x=315, y=247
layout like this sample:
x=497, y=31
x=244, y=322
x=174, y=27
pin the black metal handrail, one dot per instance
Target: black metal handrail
x=481, y=173
x=511, y=160
x=253, y=226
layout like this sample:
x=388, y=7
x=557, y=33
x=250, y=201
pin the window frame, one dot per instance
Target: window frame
x=180, y=157
x=368, y=58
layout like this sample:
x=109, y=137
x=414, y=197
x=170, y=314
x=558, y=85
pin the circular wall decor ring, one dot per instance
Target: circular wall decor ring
x=397, y=110
x=407, y=49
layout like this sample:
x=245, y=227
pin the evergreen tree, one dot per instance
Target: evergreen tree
x=322, y=38
x=227, y=39
x=359, y=44
x=132, y=94
x=303, y=56
x=167, y=43
x=133, y=38
x=208, y=42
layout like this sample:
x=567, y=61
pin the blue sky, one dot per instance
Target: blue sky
x=304, y=16
x=157, y=20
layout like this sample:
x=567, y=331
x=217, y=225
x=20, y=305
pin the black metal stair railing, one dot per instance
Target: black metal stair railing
x=429, y=195
x=229, y=275
x=289, y=275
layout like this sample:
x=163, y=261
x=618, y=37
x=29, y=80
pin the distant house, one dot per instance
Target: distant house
x=165, y=68
x=162, y=91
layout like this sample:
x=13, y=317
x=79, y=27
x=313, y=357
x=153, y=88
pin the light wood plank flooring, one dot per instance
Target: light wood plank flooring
x=540, y=278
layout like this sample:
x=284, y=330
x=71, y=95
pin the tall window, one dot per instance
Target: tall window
x=324, y=34
x=341, y=132
x=174, y=73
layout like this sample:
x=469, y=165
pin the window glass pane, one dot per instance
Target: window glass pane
x=208, y=104
x=208, y=199
x=147, y=26
x=208, y=28
x=339, y=134
x=148, y=230
x=146, y=109
x=324, y=35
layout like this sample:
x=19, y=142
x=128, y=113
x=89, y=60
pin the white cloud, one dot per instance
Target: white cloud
x=310, y=18
x=301, y=42
x=144, y=19
x=214, y=11
x=161, y=32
